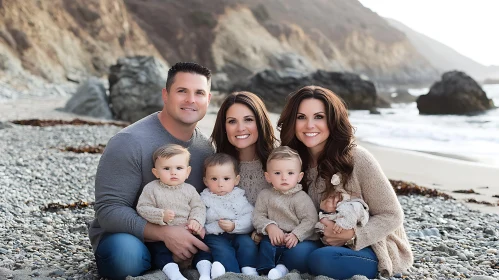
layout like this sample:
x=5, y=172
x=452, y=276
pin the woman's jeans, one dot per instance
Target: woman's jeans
x=232, y=250
x=121, y=254
x=294, y=258
x=343, y=262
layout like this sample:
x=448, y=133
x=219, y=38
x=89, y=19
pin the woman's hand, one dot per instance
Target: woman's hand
x=335, y=239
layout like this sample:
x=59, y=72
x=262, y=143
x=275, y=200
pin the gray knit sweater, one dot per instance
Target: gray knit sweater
x=183, y=199
x=125, y=168
x=292, y=211
x=252, y=179
x=384, y=231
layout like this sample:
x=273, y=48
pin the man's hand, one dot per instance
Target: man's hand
x=276, y=235
x=226, y=225
x=168, y=216
x=335, y=239
x=291, y=240
x=177, y=239
x=194, y=226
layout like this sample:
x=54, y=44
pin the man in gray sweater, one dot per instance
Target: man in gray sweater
x=118, y=232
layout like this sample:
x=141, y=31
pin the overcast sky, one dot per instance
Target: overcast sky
x=469, y=27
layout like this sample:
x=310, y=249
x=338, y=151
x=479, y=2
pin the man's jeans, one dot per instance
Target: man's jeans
x=294, y=258
x=343, y=262
x=232, y=250
x=121, y=254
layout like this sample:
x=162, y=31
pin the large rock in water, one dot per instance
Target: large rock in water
x=457, y=93
x=90, y=99
x=135, y=85
x=274, y=86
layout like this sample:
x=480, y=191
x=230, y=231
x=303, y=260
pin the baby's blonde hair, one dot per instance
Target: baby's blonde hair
x=170, y=150
x=283, y=152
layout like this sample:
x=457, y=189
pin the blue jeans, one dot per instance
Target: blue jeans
x=294, y=258
x=160, y=255
x=343, y=262
x=121, y=254
x=232, y=250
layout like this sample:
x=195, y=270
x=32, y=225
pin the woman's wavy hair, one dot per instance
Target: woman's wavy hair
x=266, y=138
x=337, y=153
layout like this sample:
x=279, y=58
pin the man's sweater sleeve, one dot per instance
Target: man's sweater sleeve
x=260, y=214
x=384, y=207
x=117, y=183
x=198, y=210
x=305, y=212
x=147, y=206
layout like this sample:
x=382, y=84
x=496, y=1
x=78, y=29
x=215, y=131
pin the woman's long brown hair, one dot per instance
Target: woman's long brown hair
x=266, y=138
x=337, y=153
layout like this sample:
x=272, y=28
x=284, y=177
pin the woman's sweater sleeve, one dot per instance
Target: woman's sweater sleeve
x=384, y=207
x=147, y=206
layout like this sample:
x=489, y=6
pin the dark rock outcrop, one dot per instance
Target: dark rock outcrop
x=91, y=100
x=274, y=86
x=457, y=93
x=135, y=85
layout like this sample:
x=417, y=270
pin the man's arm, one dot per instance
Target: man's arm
x=117, y=183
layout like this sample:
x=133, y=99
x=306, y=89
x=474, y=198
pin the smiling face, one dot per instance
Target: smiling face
x=284, y=174
x=241, y=127
x=172, y=171
x=221, y=179
x=311, y=125
x=187, y=99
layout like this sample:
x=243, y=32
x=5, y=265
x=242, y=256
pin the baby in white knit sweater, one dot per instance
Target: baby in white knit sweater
x=228, y=218
x=170, y=201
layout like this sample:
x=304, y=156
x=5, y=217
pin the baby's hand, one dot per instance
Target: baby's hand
x=168, y=216
x=276, y=235
x=336, y=228
x=256, y=237
x=291, y=240
x=226, y=225
x=194, y=226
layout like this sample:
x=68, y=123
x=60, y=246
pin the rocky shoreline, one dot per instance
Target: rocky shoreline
x=449, y=240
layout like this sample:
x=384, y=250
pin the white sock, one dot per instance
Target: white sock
x=217, y=269
x=173, y=272
x=248, y=270
x=279, y=271
x=204, y=269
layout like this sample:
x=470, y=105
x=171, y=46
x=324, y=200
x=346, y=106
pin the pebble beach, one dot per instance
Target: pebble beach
x=449, y=240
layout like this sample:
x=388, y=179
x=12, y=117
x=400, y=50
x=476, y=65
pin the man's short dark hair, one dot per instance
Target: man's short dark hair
x=186, y=67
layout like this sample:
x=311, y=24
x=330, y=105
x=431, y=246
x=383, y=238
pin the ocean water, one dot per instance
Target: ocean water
x=474, y=138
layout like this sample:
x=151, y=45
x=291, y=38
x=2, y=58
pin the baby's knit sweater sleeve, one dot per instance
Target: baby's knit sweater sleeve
x=306, y=214
x=198, y=210
x=147, y=205
x=260, y=214
x=384, y=207
x=243, y=223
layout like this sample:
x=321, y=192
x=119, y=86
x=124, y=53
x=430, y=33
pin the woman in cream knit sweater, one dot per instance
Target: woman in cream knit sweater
x=315, y=123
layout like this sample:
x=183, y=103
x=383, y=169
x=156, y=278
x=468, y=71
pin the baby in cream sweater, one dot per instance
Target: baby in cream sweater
x=171, y=201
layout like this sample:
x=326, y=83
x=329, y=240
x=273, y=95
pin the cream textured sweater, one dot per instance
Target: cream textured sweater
x=384, y=231
x=292, y=211
x=252, y=179
x=183, y=199
x=233, y=206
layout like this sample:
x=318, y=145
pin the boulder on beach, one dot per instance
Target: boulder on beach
x=135, y=85
x=90, y=99
x=457, y=93
x=274, y=86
